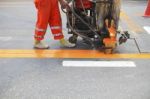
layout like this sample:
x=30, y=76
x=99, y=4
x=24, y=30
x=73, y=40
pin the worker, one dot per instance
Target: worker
x=48, y=14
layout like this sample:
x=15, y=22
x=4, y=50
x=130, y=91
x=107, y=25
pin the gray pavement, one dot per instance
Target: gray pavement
x=48, y=79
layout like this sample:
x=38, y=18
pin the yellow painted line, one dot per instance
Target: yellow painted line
x=67, y=54
x=132, y=25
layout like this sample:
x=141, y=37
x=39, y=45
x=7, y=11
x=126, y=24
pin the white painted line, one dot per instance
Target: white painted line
x=98, y=64
x=147, y=28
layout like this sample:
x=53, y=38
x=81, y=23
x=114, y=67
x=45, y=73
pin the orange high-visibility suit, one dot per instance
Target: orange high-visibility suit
x=48, y=14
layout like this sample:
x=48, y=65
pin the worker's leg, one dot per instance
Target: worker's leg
x=55, y=23
x=43, y=13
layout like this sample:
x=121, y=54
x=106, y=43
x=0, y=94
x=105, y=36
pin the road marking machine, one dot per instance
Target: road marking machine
x=96, y=22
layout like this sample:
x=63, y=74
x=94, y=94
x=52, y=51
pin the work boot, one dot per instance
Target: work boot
x=40, y=45
x=66, y=43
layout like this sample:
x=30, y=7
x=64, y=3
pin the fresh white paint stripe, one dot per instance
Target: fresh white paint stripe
x=147, y=28
x=98, y=64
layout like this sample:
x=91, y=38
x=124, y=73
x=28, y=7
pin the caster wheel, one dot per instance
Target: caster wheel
x=73, y=39
x=108, y=51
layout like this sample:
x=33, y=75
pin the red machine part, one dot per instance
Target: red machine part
x=86, y=4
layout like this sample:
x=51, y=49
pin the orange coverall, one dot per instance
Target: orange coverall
x=48, y=13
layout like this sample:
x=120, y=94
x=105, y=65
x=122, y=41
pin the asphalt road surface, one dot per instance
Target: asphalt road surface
x=77, y=73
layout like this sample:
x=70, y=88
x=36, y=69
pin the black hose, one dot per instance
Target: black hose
x=72, y=9
x=83, y=36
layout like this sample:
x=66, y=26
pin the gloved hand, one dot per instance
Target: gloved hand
x=63, y=4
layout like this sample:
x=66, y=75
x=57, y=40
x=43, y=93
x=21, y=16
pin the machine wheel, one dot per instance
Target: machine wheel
x=108, y=51
x=73, y=39
x=111, y=49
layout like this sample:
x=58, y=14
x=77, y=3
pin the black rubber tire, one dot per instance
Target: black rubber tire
x=73, y=39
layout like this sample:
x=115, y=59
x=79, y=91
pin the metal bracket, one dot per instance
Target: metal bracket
x=125, y=36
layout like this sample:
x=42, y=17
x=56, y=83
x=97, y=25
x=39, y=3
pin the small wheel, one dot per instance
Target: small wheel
x=108, y=51
x=110, y=48
x=73, y=39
